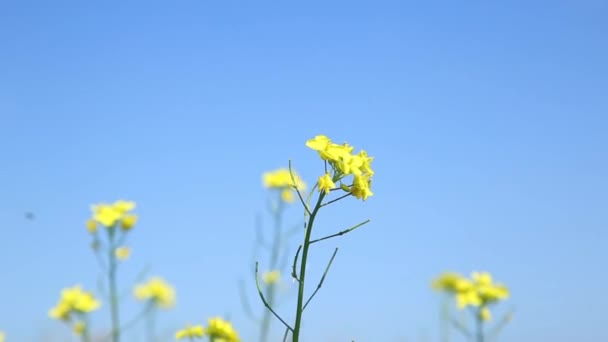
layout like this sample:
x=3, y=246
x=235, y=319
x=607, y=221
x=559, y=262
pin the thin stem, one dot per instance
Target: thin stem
x=113, y=288
x=257, y=283
x=295, y=261
x=500, y=325
x=479, y=326
x=295, y=186
x=274, y=258
x=322, y=278
x=149, y=306
x=306, y=246
x=150, y=325
x=86, y=334
x=342, y=232
x=336, y=199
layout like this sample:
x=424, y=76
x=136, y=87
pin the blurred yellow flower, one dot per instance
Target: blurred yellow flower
x=485, y=314
x=158, y=291
x=325, y=183
x=478, y=291
x=109, y=215
x=219, y=329
x=128, y=221
x=280, y=179
x=122, y=253
x=74, y=300
x=2, y=336
x=271, y=277
x=79, y=328
x=92, y=226
x=190, y=332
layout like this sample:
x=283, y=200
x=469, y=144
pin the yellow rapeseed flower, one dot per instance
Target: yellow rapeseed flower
x=280, y=179
x=109, y=215
x=485, y=314
x=190, y=332
x=344, y=163
x=128, y=221
x=122, y=253
x=74, y=300
x=219, y=329
x=2, y=336
x=326, y=183
x=361, y=187
x=478, y=291
x=156, y=290
x=271, y=277
x=92, y=226
x=79, y=328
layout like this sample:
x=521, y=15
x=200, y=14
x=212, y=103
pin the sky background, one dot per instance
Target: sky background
x=487, y=121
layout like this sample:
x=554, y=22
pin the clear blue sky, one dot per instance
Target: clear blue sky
x=488, y=123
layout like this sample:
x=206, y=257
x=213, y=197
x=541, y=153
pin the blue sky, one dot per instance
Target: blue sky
x=487, y=122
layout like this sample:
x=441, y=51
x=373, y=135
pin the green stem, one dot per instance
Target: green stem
x=479, y=321
x=150, y=324
x=86, y=335
x=113, y=289
x=299, y=308
x=274, y=256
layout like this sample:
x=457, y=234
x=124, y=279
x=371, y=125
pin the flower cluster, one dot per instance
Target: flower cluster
x=74, y=303
x=479, y=291
x=156, y=291
x=218, y=330
x=281, y=180
x=110, y=215
x=343, y=163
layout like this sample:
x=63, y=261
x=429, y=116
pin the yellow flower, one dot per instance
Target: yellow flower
x=280, y=179
x=110, y=214
x=448, y=281
x=128, y=221
x=122, y=253
x=92, y=226
x=74, y=300
x=190, y=332
x=79, y=328
x=271, y=277
x=361, y=187
x=326, y=183
x=219, y=329
x=344, y=163
x=485, y=314
x=328, y=150
x=2, y=336
x=479, y=291
x=158, y=291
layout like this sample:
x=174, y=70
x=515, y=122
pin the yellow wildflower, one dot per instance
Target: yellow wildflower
x=271, y=277
x=361, y=187
x=190, y=332
x=2, y=336
x=128, y=221
x=158, y=291
x=110, y=214
x=280, y=179
x=79, y=328
x=222, y=330
x=325, y=183
x=485, y=314
x=122, y=253
x=344, y=163
x=92, y=226
x=74, y=300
